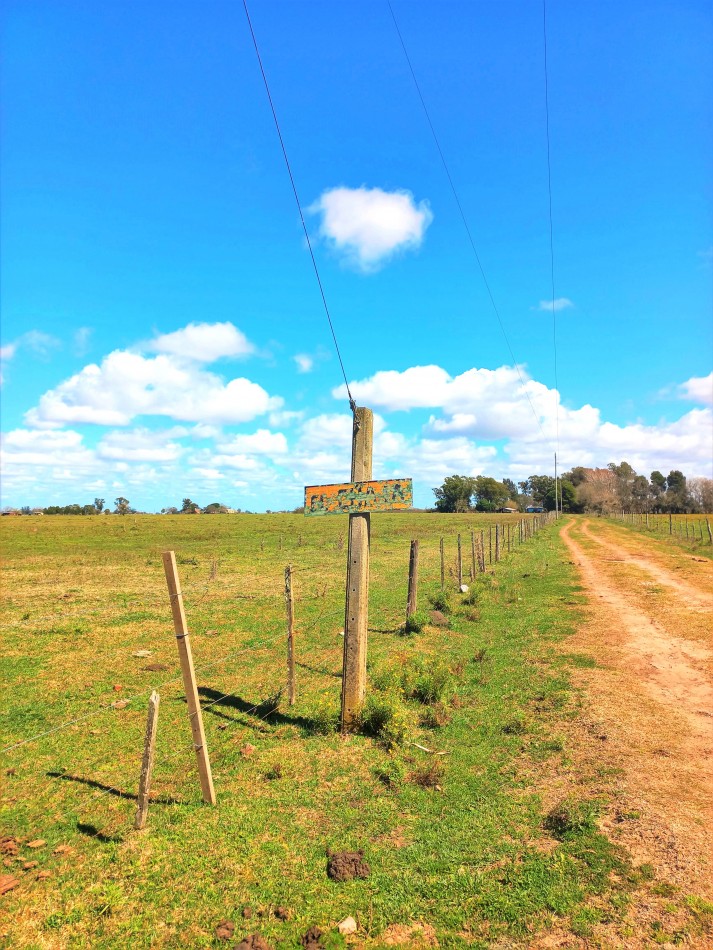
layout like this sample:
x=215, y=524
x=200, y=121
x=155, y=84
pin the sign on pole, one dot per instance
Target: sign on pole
x=395, y=494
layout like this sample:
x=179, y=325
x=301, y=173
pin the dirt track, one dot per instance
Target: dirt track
x=648, y=626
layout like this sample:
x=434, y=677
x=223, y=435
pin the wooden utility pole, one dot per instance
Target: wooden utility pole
x=142, y=806
x=189, y=676
x=357, y=600
x=289, y=606
x=412, y=581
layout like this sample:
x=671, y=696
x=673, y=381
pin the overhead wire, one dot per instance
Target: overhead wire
x=552, y=248
x=465, y=221
x=352, y=404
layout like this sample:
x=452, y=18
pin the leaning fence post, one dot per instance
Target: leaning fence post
x=142, y=806
x=189, y=676
x=460, y=563
x=289, y=605
x=412, y=581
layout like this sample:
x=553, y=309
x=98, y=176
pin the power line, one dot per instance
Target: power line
x=464, y=219
x=552, y=248
x=352, y=404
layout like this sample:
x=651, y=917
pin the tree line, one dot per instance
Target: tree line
x=595, y=490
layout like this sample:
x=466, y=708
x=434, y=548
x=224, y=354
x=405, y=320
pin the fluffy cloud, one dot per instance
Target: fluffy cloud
x=559, y=303
x=126, y=385
x=367, y=226
x=698, y=389
x=305, y=363
x=204, y=342
x=141, y=445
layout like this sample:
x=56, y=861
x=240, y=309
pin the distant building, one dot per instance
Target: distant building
x=534, y=509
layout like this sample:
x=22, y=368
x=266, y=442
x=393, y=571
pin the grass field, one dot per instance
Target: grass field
x=465, y=848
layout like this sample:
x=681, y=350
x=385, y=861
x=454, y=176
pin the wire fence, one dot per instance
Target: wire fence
x=688, y=529
x=85, y=750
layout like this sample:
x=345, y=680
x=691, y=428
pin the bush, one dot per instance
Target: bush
x=415, y=623
x=385, y=718
x=571, y=817
x=441, y=601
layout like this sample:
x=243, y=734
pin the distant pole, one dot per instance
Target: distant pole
x=412, y=580
x=357, y=601
x=290, y=608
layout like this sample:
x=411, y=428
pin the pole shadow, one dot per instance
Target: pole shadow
x=110, y=790
x=266, y=712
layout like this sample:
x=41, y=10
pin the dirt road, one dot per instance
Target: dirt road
x=651, y=697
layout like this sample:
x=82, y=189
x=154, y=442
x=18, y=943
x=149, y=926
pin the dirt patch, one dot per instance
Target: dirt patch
x=346, y=865
x=439, y=619
x=313, y=939
x=225, y=930
x=413, y=935
x=650, y=700
x=253, y=942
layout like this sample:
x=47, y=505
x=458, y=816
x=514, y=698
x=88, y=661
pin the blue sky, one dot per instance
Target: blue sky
x=162, y=330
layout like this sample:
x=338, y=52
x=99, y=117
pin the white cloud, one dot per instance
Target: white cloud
x=40, y=343
x=204, y=342
x=141, y=445
x=81, y=340
x=305, y=363
x=126, y=385
x=8, y=351
x=698, y=389
x=368, y=225
x=559, y=303
x=262, y=442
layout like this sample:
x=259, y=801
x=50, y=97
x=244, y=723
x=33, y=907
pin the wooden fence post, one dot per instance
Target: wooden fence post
x=356, y=615
x=473, y=569
x=490, y=544
x=710, y=536
x=412, y=581
x=460, y=564
x=142, y=805
x=443, y=567
x=290, y=608
x=189, y=676
x=497, y=543
x=482, y=551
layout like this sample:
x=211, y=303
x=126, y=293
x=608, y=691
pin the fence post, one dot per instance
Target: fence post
x=290, y=608
x=497, y=543
x=473, y=569
x=460, y=563
x=482, y=551
x=412, y=581
x=710, y=536
x=490, y=544
x=443, y=567
x=142, y=806
x=189, y=676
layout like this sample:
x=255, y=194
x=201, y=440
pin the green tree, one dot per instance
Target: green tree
x=121, y=505
x=455, y=493
x=489, y=493
x=538, y=487
x=188, y=507
x=99, y=505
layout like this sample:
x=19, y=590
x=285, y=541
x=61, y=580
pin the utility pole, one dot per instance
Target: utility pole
x=357, y=605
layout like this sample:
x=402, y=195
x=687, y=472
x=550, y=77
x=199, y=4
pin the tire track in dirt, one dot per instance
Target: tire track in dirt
x=693, y=597
x=666, y=664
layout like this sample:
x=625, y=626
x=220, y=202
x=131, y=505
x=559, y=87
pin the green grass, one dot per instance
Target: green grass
x=460, y=841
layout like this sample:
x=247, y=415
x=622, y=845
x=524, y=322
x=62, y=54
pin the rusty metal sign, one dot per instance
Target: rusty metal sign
x=395, y=494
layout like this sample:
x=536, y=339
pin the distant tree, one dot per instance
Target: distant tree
x=455, y=493
x=215, y=508
x=169, y=511
x=121, y=505
x=99, y=505
x=538, y=486
x=188, y=507
x=511, y=487
x=489, y=493
x=676, y=498
x=26, y=510
x=575, y=476
x=566, y=496
x=701, y=492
